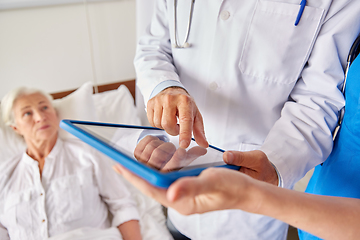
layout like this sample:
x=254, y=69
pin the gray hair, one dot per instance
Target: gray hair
x=8, y=101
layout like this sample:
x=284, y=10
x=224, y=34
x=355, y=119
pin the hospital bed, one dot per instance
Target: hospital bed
x=114, y=103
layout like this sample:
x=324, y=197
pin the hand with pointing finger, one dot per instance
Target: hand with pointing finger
x=174, y=103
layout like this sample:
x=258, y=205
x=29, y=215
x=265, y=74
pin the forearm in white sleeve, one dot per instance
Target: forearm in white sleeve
x=302, y=137
x=114, y=192
x=153, y=61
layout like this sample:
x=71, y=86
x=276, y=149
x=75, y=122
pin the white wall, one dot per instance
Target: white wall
x=144, y=12
x=49, y=47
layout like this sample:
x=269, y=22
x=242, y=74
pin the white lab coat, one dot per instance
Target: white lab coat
x=259, y=82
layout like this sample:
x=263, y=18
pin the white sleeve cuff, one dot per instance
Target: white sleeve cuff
x=165, y=84
x=280, y=184
x=161, y=134
x=125, y=215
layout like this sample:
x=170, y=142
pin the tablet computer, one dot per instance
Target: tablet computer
x=149, y=152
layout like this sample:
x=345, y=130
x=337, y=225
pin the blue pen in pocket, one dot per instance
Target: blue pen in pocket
x=302, y=7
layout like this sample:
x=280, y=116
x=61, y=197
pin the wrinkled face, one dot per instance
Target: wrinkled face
x=35, y=118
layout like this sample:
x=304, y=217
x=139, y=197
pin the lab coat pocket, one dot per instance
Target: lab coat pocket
x=245, y=147
x=275, y=50
x=68, y=199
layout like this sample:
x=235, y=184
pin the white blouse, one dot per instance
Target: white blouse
x=77, y=189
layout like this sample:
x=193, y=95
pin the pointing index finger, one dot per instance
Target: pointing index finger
x=186, y=121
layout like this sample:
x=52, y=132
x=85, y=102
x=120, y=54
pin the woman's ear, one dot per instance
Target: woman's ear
x=16, y=129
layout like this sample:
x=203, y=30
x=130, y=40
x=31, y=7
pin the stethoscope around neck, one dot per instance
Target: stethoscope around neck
x=185, y=44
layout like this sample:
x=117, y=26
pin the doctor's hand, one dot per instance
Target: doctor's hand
x=253, y=163
x=170, y=104
x=214, y=189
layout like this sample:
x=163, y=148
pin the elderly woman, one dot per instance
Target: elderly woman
x=56, y=186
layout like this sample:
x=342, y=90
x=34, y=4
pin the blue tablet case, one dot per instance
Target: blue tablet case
x=153, y=176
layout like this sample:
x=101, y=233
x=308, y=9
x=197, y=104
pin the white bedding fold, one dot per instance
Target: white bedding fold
x=90, y=234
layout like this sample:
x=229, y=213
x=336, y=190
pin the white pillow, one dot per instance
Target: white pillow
x=78, y=105
x=10, y=142
x=116, y=106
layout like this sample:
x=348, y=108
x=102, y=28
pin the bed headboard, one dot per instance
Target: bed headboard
x=130, y=84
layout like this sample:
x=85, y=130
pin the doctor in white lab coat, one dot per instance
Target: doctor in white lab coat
x=253, y=81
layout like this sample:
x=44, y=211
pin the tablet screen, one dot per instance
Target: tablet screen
x=155, y=147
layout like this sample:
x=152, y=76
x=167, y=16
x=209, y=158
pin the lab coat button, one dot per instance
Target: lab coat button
x=213, y=86
x=224, y=15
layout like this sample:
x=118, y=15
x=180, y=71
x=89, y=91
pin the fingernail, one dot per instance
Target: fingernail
x=116, y=169
x=203, y=133
x=179, y=196
x=229, y=157
x=183, y=144
x=175, y=196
